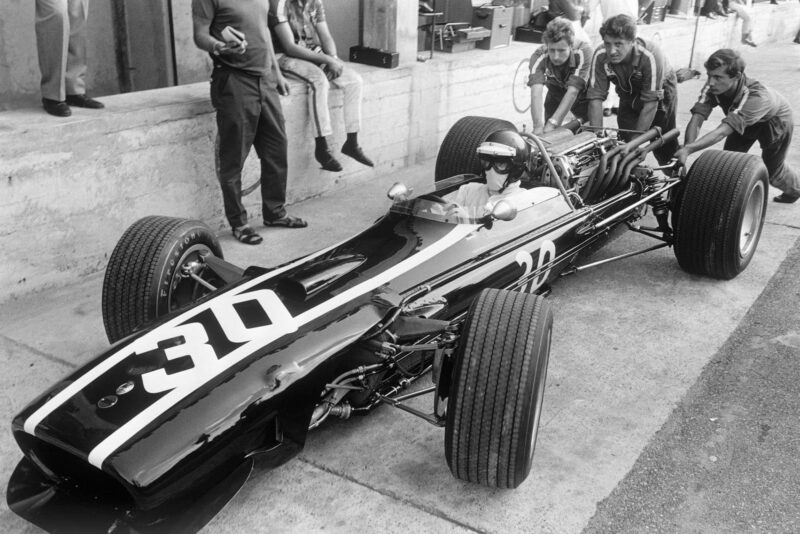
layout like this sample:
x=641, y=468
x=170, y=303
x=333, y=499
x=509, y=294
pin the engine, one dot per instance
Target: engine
x=575, y=158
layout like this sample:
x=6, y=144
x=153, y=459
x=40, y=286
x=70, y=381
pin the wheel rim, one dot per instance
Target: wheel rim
x=518, y=88
x=751, y=220
x=182, y=288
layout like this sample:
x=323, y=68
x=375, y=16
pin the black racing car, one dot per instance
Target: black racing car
x=213, y=366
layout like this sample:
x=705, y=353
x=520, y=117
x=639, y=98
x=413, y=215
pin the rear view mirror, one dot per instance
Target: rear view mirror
x=399, y=191
x=503, y=211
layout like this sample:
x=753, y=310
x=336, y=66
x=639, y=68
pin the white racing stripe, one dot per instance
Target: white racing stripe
x=50, y=406
x=149, y=414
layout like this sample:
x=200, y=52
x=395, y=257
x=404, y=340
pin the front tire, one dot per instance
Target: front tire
x=145, y=278
x=720, y=213
x=497, y=388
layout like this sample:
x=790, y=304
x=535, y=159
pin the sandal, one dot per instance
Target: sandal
x=287, y=221
x=247, y=235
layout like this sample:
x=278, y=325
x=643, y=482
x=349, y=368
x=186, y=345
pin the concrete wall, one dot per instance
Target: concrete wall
x=149, y=35
x=71, y=186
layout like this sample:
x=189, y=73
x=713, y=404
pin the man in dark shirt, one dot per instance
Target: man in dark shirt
x=245, y=84
x=753, y=113
x=561, y=64
x=644, y=80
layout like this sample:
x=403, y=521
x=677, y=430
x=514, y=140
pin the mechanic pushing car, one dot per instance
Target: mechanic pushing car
x=753, y=112
x=644, y=80
x=562, y=65
x=503, y=156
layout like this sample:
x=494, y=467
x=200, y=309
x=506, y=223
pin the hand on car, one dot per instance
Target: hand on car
x=681, y=155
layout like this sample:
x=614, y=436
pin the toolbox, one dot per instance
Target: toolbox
x=374, y=56
x=528, y=34
x=497, y=19
x=460, y=37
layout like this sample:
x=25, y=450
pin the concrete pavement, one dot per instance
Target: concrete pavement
x=726, y=458
x=631, y=341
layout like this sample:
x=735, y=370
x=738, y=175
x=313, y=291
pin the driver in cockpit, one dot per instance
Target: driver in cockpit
x=503, y=156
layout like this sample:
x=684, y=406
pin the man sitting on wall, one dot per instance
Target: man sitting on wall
x=307, y=52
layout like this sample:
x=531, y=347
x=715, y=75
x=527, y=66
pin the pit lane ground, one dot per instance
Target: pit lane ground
x=671, y=404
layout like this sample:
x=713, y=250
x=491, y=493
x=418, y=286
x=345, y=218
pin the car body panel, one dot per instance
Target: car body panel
x=167, y=414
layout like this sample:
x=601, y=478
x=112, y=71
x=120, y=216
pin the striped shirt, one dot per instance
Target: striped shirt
x=646, y=76
x=572, y=73
x=750, y=103
x=302, y=17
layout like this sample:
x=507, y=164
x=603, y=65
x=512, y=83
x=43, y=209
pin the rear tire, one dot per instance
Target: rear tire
x=720, y=213
x=497, y=388
x=458, y=152
x=143, y=279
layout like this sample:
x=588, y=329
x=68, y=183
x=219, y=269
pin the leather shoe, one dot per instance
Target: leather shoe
x=58, y=108
x=785, y=198
x=355, y=152
x=712, y=16
x=83, y=101
x=328, y=162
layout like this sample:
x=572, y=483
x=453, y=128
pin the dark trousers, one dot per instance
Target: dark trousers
x=628, y=115
x=580, y=108
x=249, y=115
x=710, y=6
x=774, y=137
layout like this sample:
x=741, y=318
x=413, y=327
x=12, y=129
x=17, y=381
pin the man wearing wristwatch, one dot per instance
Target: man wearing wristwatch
x=307, y=52
x=562, y=65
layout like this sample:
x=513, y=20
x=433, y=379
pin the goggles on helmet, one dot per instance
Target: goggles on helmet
x=501, y=165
